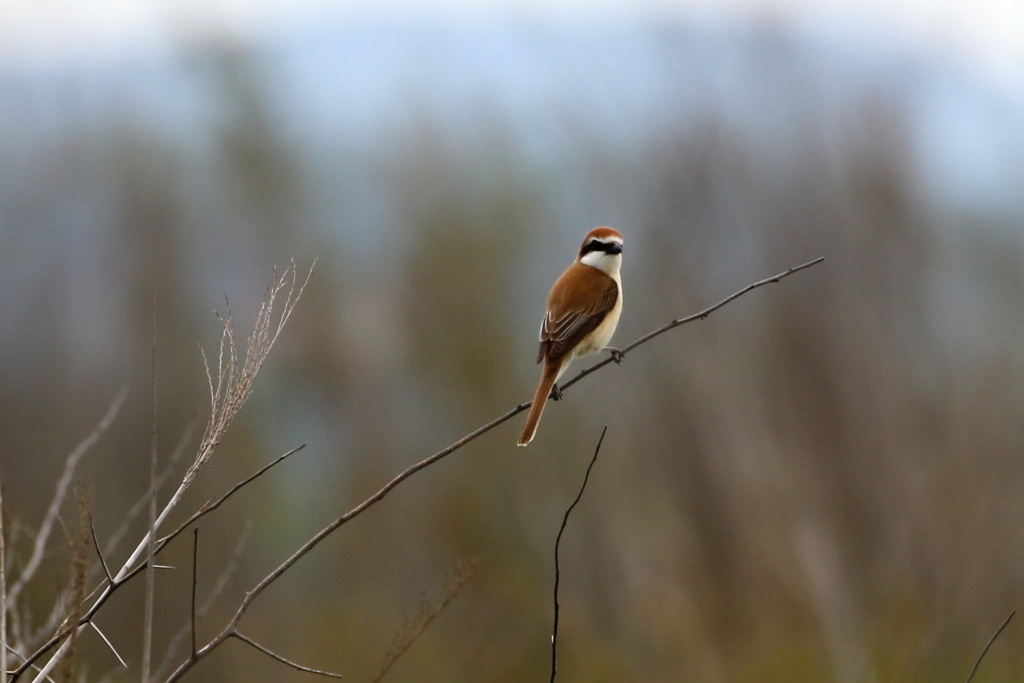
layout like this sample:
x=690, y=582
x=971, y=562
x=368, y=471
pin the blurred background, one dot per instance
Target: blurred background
x=823, y=481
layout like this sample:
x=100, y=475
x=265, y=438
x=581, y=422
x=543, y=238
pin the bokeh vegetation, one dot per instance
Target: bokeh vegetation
x=821, y=482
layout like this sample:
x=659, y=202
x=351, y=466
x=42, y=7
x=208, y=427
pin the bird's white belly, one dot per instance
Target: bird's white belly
x=598, y=339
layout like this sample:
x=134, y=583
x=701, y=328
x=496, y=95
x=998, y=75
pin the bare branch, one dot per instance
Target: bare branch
x=558, y=541
x=270, y=578
x=274, y=655
x=988, y=645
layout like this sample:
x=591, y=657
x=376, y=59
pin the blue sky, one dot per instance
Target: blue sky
x=989, y=34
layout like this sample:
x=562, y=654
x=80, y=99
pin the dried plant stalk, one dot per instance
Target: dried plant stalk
x=413, y=628
x=233, y=384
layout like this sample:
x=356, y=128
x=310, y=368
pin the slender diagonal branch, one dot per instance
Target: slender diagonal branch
x=558, y=541
x=110, y=645
x=984, y=651
x=215, y=503
x=270, y=653
x=690, y=318
x=231, y=628
x=99, y=552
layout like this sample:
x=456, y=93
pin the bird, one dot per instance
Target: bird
x=583, y=310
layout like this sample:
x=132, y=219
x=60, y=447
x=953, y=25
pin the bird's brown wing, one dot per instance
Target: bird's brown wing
x=575, y=312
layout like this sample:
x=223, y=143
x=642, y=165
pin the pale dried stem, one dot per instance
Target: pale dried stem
x=233, y=385
x=228, y=393
x=147, y=621
x=80, y=551
x=412, y=629
x=141, y=503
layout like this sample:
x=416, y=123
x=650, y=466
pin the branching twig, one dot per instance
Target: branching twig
x=558, y=541
x=270, y=578
x=988, y=645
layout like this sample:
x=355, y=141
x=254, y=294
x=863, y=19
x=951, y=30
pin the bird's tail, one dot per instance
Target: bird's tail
x=547, y=380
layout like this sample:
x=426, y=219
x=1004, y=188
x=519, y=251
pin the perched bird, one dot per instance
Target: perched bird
x=583, y=310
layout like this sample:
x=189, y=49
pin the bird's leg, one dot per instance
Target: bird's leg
x=617, y=355
x=556, y=393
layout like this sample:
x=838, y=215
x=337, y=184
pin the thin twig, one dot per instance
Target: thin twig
x=211, y=599
x=147, y=633
x=412, y=629
x=136, y=508
x=109, y=644
x=141, y=503
x=195, y=581
x=17, y=654
x=988, y=645
x=690, y=318
x=3, y=591
x=558, y=541
x=214, y=503
x=270, y=578
x=99, y=553
x=274, y=655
